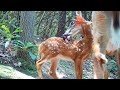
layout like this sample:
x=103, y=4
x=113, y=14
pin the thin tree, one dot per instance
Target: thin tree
x=61, y=23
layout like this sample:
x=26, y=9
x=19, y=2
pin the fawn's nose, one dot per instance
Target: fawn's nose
x=66, y=37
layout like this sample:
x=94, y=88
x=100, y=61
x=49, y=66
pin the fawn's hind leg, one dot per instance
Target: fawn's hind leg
x=39, y=64
x=53, y=68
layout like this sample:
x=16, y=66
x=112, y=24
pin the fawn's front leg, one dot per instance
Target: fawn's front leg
x=79, y=68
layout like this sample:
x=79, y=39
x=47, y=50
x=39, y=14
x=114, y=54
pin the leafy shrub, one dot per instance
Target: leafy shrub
x=10, y=31
x=112, y=66
x=8, y=28
x=28, y=47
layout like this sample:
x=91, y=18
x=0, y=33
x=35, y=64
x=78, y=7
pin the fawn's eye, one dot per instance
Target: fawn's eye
x=72, y=23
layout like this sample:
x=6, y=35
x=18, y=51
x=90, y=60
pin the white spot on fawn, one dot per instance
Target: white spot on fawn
x=81, y=44
x=48, y=45
x=45, y=44
x=79, y=49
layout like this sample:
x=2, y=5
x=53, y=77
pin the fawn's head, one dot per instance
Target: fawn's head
x=77, y=26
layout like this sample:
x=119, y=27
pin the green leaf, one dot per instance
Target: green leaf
x=9, y=39
x=17, y=46
x=28, y=45
x=17, y=30
x=32, y=55
x=113, y=61
x=6, y=21
x=115, y=69
x=10, y=36
x=3, y=26
x=0, y=30
x=16, y=35
x=19, y=43
x=6, y=29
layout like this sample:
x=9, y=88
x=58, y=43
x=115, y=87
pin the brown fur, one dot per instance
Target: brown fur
x=54, y=47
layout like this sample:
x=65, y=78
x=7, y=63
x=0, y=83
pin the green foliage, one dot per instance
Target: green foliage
x=29, y=69
x=112, y=66
x=25, y=64
x=8, y=34
x=10, y=30
x=8, y=27
x=28, y=47
x=47, y=21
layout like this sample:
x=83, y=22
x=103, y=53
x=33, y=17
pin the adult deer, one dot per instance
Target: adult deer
x=56, y=48
x=106, y=31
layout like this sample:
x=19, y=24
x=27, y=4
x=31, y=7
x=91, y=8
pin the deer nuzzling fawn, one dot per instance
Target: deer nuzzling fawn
x=56, y=48
x=106, y=33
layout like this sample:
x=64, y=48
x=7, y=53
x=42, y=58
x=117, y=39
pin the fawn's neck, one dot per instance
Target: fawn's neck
x=86, y=43
x=87, y=35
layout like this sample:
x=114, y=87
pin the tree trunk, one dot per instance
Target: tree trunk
x=27, y=24
x=61, y=23
x=17, y=16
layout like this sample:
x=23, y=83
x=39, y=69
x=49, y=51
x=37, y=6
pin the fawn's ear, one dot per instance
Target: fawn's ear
x=78, y=13
x=79, y=20
x=89, y=23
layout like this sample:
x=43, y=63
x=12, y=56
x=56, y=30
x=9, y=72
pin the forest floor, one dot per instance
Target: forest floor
x=65, y=70
x=7, y=72
x=10, y=65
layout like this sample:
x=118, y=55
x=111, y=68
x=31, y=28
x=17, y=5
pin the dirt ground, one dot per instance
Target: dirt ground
x=65, y=70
